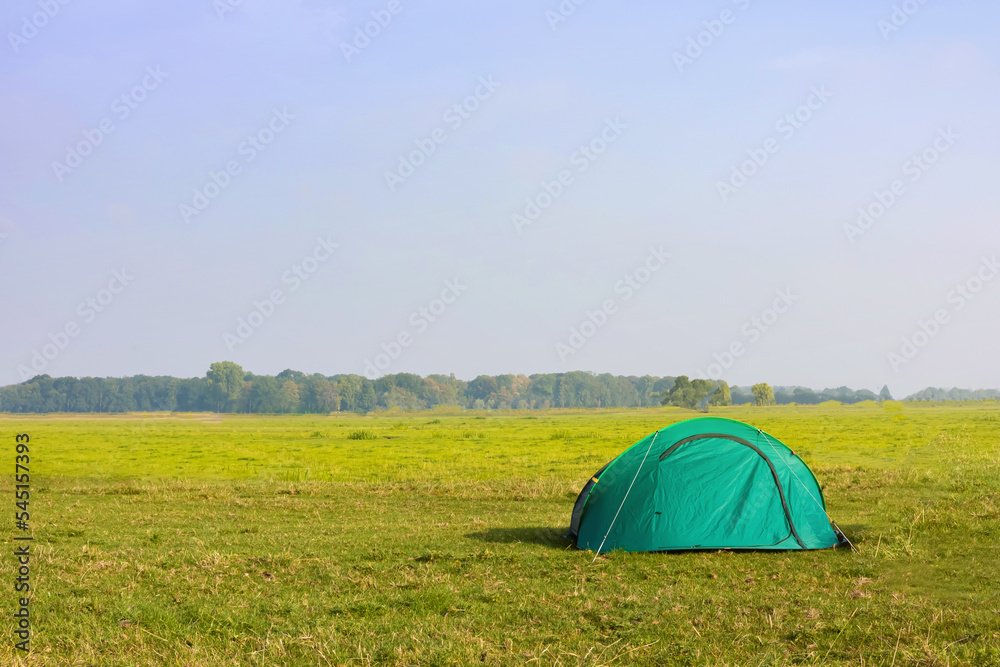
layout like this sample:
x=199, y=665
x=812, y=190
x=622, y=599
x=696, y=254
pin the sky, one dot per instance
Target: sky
x=795, y=193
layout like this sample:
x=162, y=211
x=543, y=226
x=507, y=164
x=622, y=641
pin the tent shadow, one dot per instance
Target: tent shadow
x=555, y=539
x=543, y=535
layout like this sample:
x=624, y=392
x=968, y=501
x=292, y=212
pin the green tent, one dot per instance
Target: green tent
x=706, y=483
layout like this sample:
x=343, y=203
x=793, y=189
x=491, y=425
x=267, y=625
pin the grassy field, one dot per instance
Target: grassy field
x=434, y=538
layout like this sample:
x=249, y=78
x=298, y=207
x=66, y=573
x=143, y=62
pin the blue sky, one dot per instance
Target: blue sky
x=868, y=306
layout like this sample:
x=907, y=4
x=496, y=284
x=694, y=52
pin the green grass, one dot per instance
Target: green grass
x=436, y=540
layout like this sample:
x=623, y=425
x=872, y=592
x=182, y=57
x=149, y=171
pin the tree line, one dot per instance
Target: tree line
x=226, y=387
x=935, y=394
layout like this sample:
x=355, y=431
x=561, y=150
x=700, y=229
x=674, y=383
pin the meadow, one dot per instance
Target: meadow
x=435, y=538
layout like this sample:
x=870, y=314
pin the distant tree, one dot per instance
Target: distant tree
x=298, y=377
x=265, y=394
x=30, y=394
x=349, y=389
x=119, y=394
x=357, y=393
x=404, y=399
x=687, y=393
x=246, y=395
x=649, y=393
x=288, y=397
x=703, y=390
x=384, y=384
x=884, y=395
x=79, y=399
x=192, y=394
x=366, y=396
x=225, y=383
x=848, y=395
x=482, y=387
x=741, y=395
x=678, y=393
x=542, y=388
x=864, y=395
x=617, y=391
x=763, y=394
x=443, y=390
x=803, y=396
x=721, y=395
x=319, y=395
x=578, y=389
x=409, y=382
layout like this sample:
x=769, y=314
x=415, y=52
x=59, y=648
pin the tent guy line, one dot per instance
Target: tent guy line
x=625, y=498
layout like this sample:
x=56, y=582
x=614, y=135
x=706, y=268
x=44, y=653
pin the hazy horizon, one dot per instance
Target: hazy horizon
x=756, y=192
x=308, y=373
